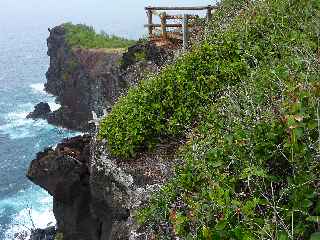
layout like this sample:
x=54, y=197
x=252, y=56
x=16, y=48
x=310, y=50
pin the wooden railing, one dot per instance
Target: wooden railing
x=184, y=18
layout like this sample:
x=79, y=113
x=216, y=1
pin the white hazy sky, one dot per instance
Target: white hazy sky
x=121, y=17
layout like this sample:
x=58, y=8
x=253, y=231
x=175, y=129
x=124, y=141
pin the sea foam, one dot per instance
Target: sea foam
x=33, y=210
x=53, y=105
x=17, y=126
x=38, y=88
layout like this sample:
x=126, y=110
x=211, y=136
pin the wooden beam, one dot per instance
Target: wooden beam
x=173, y=25
x=163, y=24
x=150, y=27
x=209, y=14
x=185, y=32
x=181, y=16
x=182, y=8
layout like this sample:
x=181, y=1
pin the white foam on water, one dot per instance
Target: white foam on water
x=32, y=203
x=17, y=126
x=33, y=208
x=53, y=105
x=38, y=88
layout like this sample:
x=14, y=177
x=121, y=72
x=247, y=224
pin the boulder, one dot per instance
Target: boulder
x=41, y=110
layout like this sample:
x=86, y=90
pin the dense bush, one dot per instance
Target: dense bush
x=251, y=93
x=85, y=37
x=167, y=104
x=252, y=166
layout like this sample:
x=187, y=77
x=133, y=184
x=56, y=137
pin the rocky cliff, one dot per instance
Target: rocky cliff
x=95, y=195
x=86, y=80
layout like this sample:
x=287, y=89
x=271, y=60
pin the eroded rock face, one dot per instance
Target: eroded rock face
x=64, y=173
x=43, y=234
x=86, y=80
x=95, y=195
x=122, y=186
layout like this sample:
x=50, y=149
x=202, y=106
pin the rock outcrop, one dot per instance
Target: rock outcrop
x=120, y=187
x=41, y=110
x=86, y=80
x=43, y=234
x=95, y=195
x=64, y=173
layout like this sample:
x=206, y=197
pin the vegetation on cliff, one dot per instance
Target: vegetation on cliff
x=85, y=37
x=247, y=99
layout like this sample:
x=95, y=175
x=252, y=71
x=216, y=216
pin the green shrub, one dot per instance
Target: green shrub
x=251, y=90
x=166, y=105
x=85, y=37
x=140, y=56
x=252, y=165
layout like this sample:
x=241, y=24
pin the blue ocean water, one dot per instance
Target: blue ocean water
x=22, y=66
x=23, y=63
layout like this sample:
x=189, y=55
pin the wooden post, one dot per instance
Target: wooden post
x=185, y=32
x=209, y=13
x=185, y=18
x=150, y=28
x=164, y=25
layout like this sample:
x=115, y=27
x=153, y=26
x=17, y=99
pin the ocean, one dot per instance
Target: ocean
x=23, y=63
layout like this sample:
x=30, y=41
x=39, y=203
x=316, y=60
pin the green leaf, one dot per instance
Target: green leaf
x=283, y=236
x=312, y=124
x=318, y=208
x=307, y=203
x=312, y=195
x=206, y=232
x=221, y=225
x=315, y=236
x=298, y=132
x=315, y=219
x=216, y=164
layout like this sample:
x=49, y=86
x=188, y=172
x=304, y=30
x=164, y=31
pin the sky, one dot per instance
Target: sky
x=121, y=17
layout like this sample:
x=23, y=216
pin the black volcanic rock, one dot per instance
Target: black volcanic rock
x=41, y=110
x=64, y=173
x=43, y=234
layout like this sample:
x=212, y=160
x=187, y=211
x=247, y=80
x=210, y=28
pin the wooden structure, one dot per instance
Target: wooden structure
x=183, y=27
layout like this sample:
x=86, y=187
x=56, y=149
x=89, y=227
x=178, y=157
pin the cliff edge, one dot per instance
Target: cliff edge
x=95, y=195
x=87, y=80
x=246, y=101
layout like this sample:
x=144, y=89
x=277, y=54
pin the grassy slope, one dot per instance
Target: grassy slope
x=85, y=37
x=251, y=165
